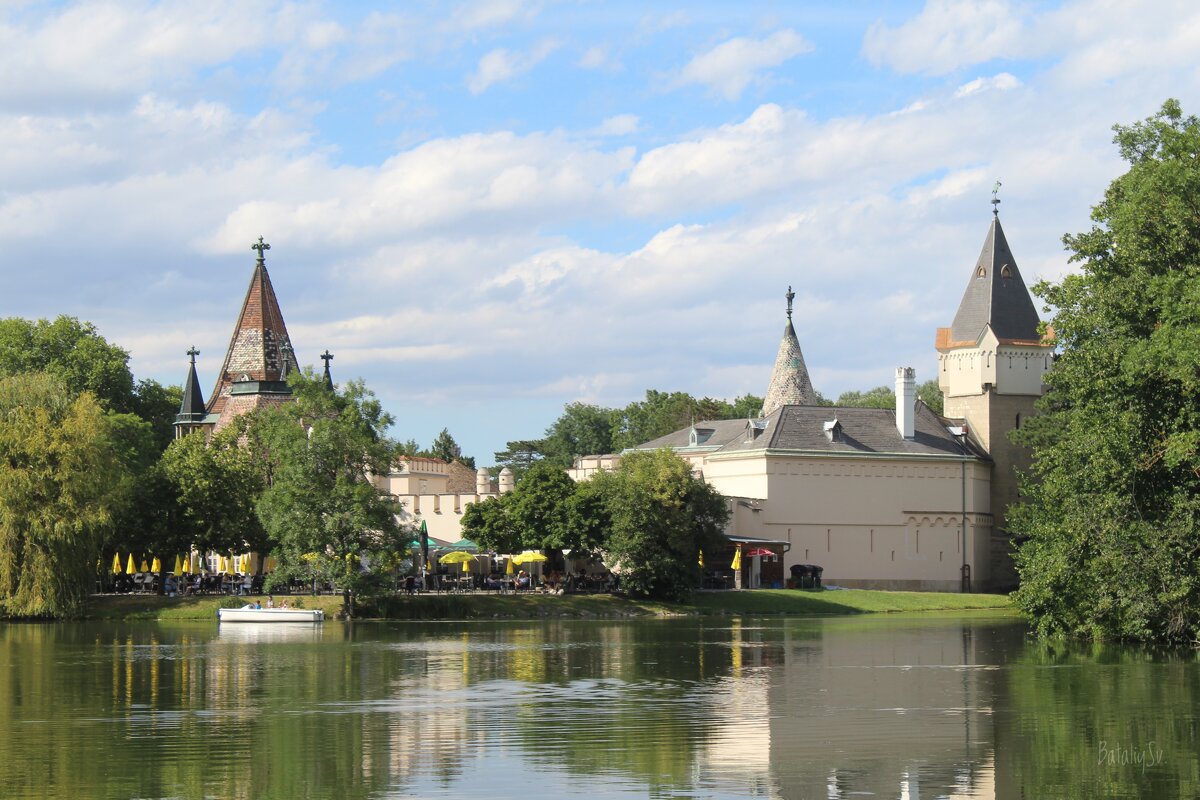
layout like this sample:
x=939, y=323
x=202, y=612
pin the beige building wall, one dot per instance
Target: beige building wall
x=884, y=522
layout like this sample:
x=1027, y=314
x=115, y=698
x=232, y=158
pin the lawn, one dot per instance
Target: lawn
x=536, y=606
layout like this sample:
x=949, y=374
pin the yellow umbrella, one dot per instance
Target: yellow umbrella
x=509, y=569
x=178, y=565
x=220, y=563
x=130, y=568
x=737, y=560
x=156, y=566
x=529, y=557
x=116, y=567
x=701, y=558
x=145, y=566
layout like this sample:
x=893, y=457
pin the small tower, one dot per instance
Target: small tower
x=790, y=385
x=327, y=357
x=483, y=481
x=191, y=410
x=506, y=481
x=991, y=362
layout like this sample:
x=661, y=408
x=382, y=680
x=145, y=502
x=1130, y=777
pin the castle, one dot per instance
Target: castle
x=901, y=498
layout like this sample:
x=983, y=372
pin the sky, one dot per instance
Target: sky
x=486, y=210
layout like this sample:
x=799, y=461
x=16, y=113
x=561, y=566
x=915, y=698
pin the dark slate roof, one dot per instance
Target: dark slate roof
x=996, y=296
x=864, y=431
x=191, y=410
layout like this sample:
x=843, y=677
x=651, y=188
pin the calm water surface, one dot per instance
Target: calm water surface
x=883, y=706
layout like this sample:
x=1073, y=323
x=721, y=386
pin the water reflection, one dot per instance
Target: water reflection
x=893, y=707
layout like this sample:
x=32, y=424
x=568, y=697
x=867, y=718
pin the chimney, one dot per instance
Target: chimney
x=483, y=481
x=906, y=401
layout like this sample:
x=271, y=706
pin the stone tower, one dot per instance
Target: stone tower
x=790, y=385
x=260, y=352
x=991, y=361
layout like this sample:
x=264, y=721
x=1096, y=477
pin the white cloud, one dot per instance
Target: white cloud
x=947, y=35
x=502, y=64
x=620, y=125
x=490, y=13
x=1001, y=82
x=730, y=66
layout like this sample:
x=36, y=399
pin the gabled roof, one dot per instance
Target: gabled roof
x=260, y=350
x=996, y=295
x=863, y=431
x=790, y=384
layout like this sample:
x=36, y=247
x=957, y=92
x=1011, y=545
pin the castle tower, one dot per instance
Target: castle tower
x=260, y=353
x=191, y=410
x=991, y=362
x=790, y=385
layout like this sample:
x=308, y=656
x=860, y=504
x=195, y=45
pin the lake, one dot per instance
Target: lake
x=899, y=706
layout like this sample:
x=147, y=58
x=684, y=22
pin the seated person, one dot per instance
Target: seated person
x=522, y=580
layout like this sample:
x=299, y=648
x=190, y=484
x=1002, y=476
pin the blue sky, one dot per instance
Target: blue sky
x=489, y=209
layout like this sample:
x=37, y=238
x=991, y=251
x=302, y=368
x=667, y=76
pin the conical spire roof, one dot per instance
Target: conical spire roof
x=260, y=350
x=996, y=295
x=191, y=410
x=327, y=357
x=790, y=384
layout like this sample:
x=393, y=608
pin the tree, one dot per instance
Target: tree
x=1112, y=511
x=661, y=517
x=59, y=471
x=445, y=448
x=71, y=351
x=520, y=456
x=582, y=429
x=879, y=397
x=319, y=508
x=215, y=486
x=488, y=525
x=158, y=405
x=537, y=507
x=930, y=393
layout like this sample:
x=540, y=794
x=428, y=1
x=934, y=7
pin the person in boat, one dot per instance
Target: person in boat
x=270, y=601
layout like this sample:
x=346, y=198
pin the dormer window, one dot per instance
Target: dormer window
x=981, y=272
x=833, y=430
x=1005, y=272
x=699, y=436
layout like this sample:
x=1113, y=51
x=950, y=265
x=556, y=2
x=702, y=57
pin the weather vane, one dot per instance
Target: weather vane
x=995, y=199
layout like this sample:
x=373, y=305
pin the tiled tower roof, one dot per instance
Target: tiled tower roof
x=790, y=385
x=260, y=352
x=996, y=296
x=191, y=410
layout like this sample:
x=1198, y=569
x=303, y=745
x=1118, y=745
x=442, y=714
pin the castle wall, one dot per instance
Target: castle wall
x=442, y=513
x=869, y=522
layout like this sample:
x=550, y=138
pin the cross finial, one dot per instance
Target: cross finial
x=790, y=297
x=327, y=357
x=193, y=352
x=261, y=247
x=995, y=199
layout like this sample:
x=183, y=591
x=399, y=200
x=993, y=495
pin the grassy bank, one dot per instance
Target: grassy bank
x=438, y=607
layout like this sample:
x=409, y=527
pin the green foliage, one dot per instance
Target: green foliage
x=158, y=405
x=537, y=507
x=1113, y=497
x=583, y=429
x=320, y=510
x=930, y=393
x=661, y=517
x=879, y=397
x=59, y=472
x=519, y=456
x=215, y=485
x=71, y=351
x=662, y=413
x=488, y=525
x=443, y=447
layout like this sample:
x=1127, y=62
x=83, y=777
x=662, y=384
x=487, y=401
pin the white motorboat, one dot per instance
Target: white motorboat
x=249, y=613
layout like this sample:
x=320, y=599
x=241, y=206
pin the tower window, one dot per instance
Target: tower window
x=1018, y=421
x=981, y=272
x=1005, y=272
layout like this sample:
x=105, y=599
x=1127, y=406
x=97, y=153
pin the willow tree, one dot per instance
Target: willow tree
x=58, y=475
x=1113, y=499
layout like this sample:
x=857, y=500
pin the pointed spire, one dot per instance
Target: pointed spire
x=996, y=294
x=790, y=384
x=260, y=351
x=191, y=409
x=327, y=357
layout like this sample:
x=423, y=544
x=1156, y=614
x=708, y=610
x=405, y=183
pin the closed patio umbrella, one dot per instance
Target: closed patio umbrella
x=145, y=566
x=509, y=569
x=130, y=568
x=156, y=566
x=737, y=560
x=116, y=565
